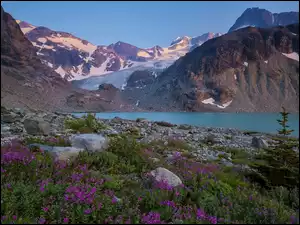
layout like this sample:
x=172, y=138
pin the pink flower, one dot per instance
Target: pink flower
x=99, y=206
x=45, y=209
x=66, y=220
x=14, y=217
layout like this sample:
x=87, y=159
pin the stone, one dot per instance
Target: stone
x=37, y=126
x=226, y=162
x=259, y=142
x=60, y=153
x=155, y=160
x=65, y=153
x=90, y=142
x=9, y=117
x=162, y=174
x=41, y=146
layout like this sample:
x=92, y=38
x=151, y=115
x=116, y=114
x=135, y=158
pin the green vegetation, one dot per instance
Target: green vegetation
x=112, y=186
x=280, y=165
x=52, y=141
x=165, y=124
x=87, y=124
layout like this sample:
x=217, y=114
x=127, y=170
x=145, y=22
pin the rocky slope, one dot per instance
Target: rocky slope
x=251, y=69
x=26, y=82
x=257, y=17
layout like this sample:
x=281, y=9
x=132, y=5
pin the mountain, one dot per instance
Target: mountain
x=75, y=59
x=27, y=83
x=257, y=17
x=247, y=70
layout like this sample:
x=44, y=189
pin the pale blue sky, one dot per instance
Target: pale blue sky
x=143, y=24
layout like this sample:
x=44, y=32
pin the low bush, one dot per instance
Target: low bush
x=87, y=124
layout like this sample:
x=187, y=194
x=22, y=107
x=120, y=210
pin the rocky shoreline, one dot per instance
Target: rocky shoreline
x=203, y=143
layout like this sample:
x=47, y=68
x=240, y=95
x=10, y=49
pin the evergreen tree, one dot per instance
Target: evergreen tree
x=283, y=122
x=279, y=165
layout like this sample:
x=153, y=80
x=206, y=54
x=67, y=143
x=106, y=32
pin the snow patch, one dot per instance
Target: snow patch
x=123, y=86
x=293, y=33
x=137, y=103
x=293, y=55
x=244, y=26
x=42, y=40
x=142, y=53
x=266, y=61
x=211, y=101
x=60, y=71
x=245, y=63
x=235, y=76
x=73, y=43
x=100, y=70
x=50, y=64
x=38, y=53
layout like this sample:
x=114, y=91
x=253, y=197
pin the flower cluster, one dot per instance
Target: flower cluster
x=80, y=194
x=151, y=218
x=16, y=153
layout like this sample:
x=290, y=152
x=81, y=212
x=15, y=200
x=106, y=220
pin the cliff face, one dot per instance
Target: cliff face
x=251, y=69
x=27, y=82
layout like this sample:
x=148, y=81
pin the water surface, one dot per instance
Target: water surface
x=261, y=122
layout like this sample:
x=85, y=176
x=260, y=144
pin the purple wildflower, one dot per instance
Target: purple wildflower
x=66, y=220
x=14, y=217
x=42, y=220
x=151, y=218
x=200, y=214
x=87, y=211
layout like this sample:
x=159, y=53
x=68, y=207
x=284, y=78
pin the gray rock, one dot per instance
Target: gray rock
x=211, y=157
x=65, y=153
x=226, y=162
x=42, y=147
x=37, y=126
x=259, y=142
x=10, y=117
x=162, y=174
x=60, y=153
x=155, y=160
x=4, y=128
x=90, y=142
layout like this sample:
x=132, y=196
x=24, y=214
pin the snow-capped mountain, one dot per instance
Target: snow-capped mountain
x=75, y=59
x=257, y=17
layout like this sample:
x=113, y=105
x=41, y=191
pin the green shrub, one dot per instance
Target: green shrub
x=87, y=124
x=209, y=139
x=179, y=144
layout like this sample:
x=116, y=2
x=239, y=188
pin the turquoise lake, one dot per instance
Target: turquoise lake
x=261, y=122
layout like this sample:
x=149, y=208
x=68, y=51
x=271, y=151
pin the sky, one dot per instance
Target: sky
x=143, y=24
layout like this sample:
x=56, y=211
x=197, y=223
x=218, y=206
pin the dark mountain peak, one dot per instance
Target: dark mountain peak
x=263, y=18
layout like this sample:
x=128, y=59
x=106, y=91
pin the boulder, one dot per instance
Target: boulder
x=37, y=126
x=65, y=153
x=90, y=142
x=259, y=142
x=10, y=117
x=161, y=174
x=60, y=153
